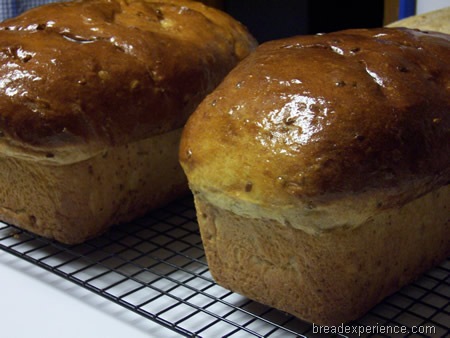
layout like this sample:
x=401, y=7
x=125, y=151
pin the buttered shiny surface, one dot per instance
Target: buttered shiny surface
x=317, y=116
x=110, y=72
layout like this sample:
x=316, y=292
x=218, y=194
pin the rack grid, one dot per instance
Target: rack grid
x=156, y=267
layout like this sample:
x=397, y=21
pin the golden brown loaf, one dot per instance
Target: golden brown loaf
x=93, y=98
x=320, y=168
x=437, y=21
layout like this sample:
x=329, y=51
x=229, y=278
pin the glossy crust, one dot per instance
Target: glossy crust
x=98, y=73
x=315, y=118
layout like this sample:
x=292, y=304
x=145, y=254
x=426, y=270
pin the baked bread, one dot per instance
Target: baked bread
x=320, y=169
x=437, y=21
x=93, y=98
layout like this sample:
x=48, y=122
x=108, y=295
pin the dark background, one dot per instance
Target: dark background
x=273, y=19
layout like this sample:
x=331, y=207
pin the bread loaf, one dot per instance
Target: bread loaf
x=320, y=169
x=93, y=98
x=436, y=21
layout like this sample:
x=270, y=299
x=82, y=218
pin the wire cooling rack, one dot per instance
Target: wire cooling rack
x=156, y=267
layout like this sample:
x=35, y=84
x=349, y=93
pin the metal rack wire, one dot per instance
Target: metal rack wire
x=156, y=267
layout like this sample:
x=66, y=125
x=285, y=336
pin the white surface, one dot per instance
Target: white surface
x=423, y=6
x=37, y=303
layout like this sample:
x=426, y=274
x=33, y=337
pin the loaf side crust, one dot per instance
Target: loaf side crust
x=316, y=216
x=332, y=277
x=74, y=202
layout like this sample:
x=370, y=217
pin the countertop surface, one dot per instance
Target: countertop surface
x=36, y=303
